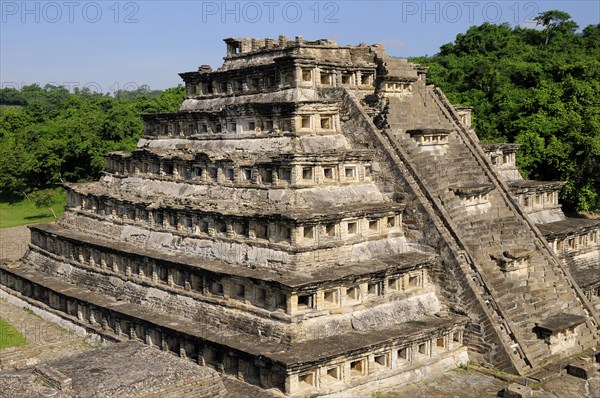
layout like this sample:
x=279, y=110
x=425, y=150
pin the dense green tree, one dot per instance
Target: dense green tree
x=555, y=21
x=12, y=96
x=43, y=199
x=48, y=135
x=538, y=88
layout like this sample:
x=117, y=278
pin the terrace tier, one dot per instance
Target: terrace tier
x=314, y=219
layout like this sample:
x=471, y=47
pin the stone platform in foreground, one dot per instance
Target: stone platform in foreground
x=124, y=370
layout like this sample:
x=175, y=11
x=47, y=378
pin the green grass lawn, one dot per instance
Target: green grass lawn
x=9, y=336
x=24, y=212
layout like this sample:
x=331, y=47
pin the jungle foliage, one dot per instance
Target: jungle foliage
x=536, y=87
x=48, y=135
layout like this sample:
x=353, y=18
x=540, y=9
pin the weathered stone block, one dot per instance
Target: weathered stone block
x=582, y=369
x=517, y=391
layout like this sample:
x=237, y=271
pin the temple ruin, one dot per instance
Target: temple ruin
x=316, y=220
x=574, y=240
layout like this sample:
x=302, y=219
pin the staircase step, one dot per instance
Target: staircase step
x=522, y=299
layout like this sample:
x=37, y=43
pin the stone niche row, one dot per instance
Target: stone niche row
x=430, y=138
x=576, y=243
x=474, y=198
x=205, y=224
x=592, y=293
x=189, y=125
x=202, y=283
x=397, y=87
x=502, y=158
x=392, y=360
x=127, y=326
x=229, y=173
x=381, y=360
x=415, y=281
x=537, y=201
x=279, y=78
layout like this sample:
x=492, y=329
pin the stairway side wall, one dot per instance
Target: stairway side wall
x=424, y=227
x=517, y=322
x=470, y=139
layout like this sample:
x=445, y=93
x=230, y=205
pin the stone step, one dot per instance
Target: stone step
x=523, y=299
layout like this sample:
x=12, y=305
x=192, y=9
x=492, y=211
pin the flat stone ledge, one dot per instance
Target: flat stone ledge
x=582, y=369
x=428, y=131
x=559, y=323
x=569, y=226
x=494, y=146
x=123, y=370
x=524, y=186
x=472, y=189
x=515, y=390
x=53, y=377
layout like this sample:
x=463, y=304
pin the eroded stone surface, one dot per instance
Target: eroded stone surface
x=125, y=370
x=314, y=220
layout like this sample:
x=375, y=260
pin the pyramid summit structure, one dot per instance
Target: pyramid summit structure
x=314, y=220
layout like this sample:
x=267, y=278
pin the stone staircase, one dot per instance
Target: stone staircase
x=515, y=302
x=526, y=299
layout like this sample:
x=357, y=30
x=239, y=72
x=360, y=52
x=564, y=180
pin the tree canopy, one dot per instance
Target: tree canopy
x=536, y=87
x=49, y=135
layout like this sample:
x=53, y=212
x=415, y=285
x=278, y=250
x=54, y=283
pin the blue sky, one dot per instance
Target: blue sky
x=112, y=44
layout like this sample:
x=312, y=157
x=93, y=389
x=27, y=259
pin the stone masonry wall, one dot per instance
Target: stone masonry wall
x=240, y=253
x=423, y=227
